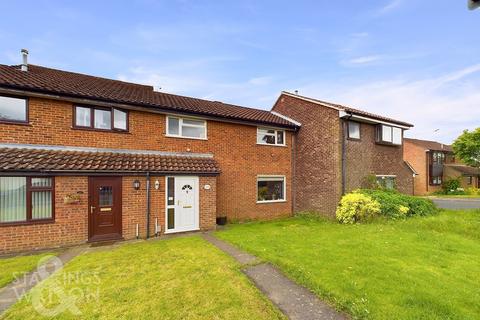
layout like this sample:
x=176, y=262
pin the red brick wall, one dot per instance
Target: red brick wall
x=417, y=156
x=233, y=145
x=71, y=220
x=317, y=153
x=365, y=157
x=70, y=226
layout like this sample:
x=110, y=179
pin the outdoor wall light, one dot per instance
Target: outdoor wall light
x=157, y=184
x=136, y=184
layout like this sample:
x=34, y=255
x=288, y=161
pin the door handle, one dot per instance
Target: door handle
x=91, y=209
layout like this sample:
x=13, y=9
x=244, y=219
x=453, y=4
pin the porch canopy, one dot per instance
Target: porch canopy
x=16, y=158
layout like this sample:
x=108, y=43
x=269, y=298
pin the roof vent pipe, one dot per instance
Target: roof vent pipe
x=24, y=66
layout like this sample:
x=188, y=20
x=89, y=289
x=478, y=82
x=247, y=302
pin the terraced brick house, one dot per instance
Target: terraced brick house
x=435, y=162
x=86, y=159
x=339, y=149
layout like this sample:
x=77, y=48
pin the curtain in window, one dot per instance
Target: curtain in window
x=41, y=205
x=13, y=199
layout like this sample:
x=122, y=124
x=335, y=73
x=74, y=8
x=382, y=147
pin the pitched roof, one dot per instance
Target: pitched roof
x=431, y=145
x=70, y=84
x=349, y=109
x=466, y=170
x=56, y=160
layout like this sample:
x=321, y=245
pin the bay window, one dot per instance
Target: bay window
x=26, y=199
x=13, y=109
x=270, y=136
x=271, y=189
x=186, y=128
x=100, y=118
x=389, y=135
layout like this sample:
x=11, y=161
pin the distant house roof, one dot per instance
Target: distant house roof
x=75, y=85
x=51, y=159
x=465, y=170
x=431, y=145
x=349, y=109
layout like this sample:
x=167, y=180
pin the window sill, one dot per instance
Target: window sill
x=272, y=145
x=26, y=223
x=19, y=123
x=101, y=130
x=354, y=139
x=181, y=137
x=271, y=201
x=388, y=144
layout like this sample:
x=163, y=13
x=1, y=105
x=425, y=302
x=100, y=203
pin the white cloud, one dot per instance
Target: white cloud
x=443, y=102
x=390, y=6
x=363, y=60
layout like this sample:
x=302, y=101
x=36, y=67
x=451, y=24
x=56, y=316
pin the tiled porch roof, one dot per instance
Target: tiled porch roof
x=18, y=158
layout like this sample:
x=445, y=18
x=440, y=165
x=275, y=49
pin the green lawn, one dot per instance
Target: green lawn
x=10, y=268
x=421, y=268
x=182, y=278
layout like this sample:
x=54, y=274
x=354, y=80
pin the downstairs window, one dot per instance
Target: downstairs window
x=271, y=189
x=387, y=182
x=26, y=199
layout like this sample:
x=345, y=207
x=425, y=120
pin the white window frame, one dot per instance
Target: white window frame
x=275, y=134
x=180, y=125
x=350, y=122
x=272, y=178
x=380, y=138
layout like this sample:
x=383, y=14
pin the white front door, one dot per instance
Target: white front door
x=182, y=201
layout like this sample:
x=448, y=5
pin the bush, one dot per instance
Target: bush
x=396, y=205
x=472, y=191
x=356, y=207
x=452, y=186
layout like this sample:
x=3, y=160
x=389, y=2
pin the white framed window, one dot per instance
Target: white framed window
x=354, y=130
x=389, y=135
x=271, y=137
x=387, y=181
x=186, y=128
x=271, y=189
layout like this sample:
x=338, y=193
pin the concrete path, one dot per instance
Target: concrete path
x=457, y=204
x=295, y=301
x=15, y=290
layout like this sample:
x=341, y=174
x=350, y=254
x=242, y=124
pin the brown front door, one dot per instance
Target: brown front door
x=105, y=208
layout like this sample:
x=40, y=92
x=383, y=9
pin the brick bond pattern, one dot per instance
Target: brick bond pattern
x=233, y=145
x=318, y=152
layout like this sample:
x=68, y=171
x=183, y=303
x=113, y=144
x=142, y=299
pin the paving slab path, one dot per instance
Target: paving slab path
x=457, y=203
x=295, y=301
x=19, y=287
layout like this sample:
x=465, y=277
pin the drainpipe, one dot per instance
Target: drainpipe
x=148, y=204
x=344, y=153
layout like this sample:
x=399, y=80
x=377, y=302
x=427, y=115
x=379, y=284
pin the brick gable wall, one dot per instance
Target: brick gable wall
x=318, y=155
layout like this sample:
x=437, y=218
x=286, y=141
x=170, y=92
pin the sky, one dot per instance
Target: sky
x=416, y=61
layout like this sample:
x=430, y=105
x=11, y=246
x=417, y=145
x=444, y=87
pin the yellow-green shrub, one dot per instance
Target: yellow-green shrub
x=356, y=207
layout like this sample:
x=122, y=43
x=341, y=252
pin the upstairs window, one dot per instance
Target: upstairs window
x=26, y=199
x=186, y=128
x=13, y=109
x=353, y=130
x=389, y=135
x=271, y=136
x=100, y=118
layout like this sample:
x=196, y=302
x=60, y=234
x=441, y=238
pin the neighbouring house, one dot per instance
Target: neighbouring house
x=84, y=159
x=435, y=162
x=339, y=149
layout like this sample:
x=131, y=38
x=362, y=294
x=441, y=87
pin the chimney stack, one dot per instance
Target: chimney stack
x=296, y=92
x=24, y=66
